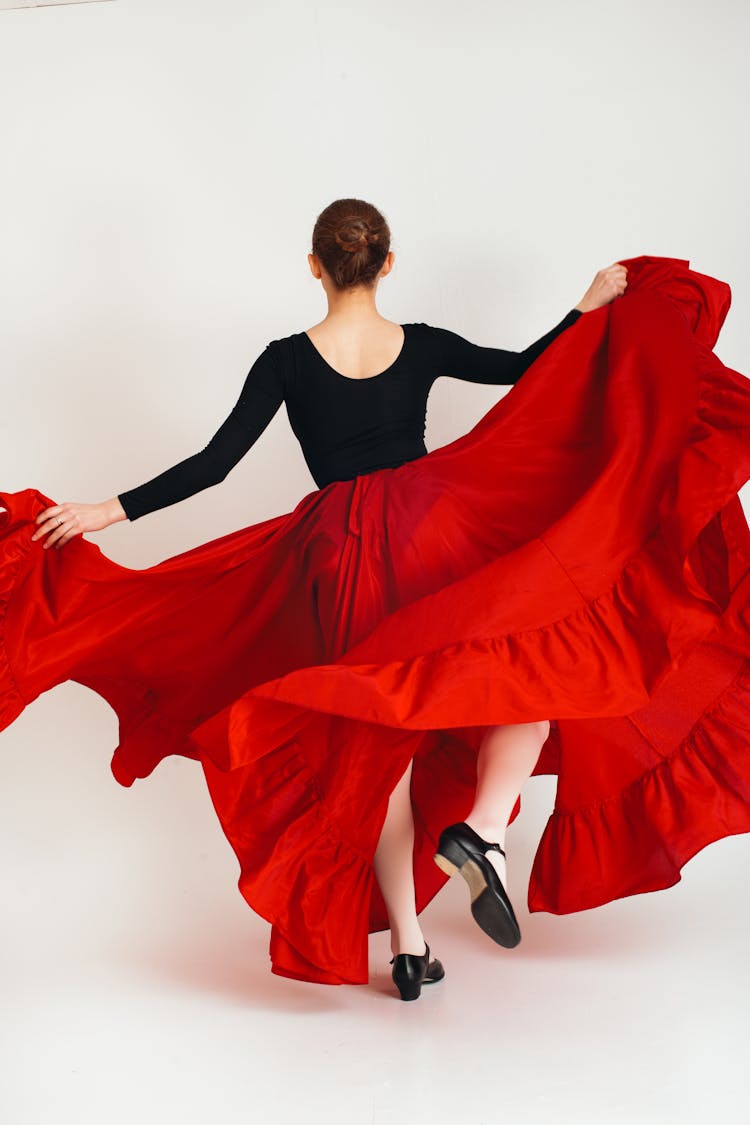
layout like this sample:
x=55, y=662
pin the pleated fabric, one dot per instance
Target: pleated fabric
x=580, y=555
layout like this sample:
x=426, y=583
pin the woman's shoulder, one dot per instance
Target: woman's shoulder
x=425, y=330
x=293, y=336
x=286, y=352
x=428, y=337
x=282, y=349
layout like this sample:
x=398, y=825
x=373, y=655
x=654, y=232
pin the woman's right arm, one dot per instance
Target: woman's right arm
x=259, y=400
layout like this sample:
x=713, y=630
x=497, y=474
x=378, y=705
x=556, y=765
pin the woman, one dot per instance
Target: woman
x=311, y=776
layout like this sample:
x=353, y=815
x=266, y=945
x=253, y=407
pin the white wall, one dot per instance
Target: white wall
x=163, y=162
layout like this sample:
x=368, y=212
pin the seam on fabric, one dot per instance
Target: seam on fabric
x=564, y=570
x=713, y=705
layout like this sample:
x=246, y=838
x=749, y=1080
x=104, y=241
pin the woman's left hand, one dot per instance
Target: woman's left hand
x=608, y=283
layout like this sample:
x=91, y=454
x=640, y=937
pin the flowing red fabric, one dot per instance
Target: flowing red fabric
x=580, y=555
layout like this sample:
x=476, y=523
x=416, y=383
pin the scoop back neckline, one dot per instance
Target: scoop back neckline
x=355, y=378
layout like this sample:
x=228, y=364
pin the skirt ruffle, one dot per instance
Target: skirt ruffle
x=580, y=555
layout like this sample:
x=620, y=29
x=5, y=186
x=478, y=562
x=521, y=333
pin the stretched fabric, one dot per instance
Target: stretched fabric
x=580, y=555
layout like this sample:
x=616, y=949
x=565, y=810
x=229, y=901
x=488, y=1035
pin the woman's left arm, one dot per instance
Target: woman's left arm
x=462, y=359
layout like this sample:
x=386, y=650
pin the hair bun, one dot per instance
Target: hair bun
x=351, y=238
x=354, y=239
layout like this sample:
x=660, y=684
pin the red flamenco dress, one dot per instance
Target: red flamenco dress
x=603, y=583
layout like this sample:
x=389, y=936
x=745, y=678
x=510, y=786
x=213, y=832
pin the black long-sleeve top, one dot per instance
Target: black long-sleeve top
x=346, y=426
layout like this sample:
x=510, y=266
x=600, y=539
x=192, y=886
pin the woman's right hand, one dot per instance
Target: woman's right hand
x=608, y=283
x=62, y=522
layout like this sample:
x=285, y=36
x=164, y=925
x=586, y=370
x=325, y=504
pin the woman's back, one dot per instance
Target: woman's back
x=362, y=354
x=346, y=425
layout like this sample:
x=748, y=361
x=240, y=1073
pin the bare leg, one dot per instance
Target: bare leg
x=507, y=756
x=394, y=870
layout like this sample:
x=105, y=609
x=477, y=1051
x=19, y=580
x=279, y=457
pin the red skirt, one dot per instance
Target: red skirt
x=581, y=555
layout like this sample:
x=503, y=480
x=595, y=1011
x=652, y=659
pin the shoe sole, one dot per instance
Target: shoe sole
x=491, y=911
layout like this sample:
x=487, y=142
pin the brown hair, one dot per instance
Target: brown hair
x=351, y=238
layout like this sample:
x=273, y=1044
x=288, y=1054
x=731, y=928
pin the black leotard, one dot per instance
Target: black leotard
x=345, y=426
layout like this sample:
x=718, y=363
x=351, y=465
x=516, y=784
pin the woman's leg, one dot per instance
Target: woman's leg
x=394, y=870
x=507, y=756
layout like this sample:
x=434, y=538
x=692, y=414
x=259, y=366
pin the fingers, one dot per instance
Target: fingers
x=46, y=520
x=58, y=524
x=613, y=280
x=53, y=530
x=59, y=536
x=608, y=283
x=615, y=272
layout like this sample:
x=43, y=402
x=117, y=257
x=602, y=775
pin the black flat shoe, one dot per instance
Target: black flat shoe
x=410, y=972
x=460, y=848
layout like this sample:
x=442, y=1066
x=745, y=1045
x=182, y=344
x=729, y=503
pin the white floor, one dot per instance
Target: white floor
x=136, y=986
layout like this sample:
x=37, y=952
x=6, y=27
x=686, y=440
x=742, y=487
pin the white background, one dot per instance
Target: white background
x=163, y=162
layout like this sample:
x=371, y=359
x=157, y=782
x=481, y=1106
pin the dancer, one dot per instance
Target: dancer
x=402, y=639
